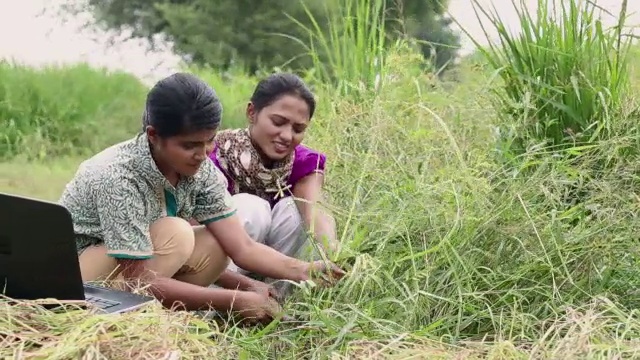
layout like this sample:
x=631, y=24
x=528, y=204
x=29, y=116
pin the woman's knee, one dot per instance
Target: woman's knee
x=286, y=214
x=255, y=215
x=96, y=265
x=287, y=233
x=172, y=236
x=208, y=261
x=209, y=246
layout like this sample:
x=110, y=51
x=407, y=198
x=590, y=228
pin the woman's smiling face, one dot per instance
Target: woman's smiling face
x=279, y=127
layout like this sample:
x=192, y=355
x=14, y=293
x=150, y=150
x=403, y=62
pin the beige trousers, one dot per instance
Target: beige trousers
x=184, y=252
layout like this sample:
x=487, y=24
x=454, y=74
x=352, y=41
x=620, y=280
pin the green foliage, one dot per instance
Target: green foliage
x=425, y=21
x=442, y=242
x=564, y=77
x=354, y=45
x=221, y=33
x=437, y=223
x=70, y=109
x=438, y=43
x=60, y=110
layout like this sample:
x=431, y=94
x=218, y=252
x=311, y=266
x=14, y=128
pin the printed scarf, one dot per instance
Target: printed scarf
x=241, y=161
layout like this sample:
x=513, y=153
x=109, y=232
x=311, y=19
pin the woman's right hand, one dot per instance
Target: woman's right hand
x=323, y=272
x=256, y=307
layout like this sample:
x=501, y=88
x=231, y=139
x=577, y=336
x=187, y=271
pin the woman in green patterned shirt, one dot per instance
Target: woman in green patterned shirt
x=130, y=204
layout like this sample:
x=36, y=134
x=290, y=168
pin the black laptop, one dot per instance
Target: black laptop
x=38, y=258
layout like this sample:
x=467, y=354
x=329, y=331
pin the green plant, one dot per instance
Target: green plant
x=564, y=77
x=62, y=109
x=351, y=54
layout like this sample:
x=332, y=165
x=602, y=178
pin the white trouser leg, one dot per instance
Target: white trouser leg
x=255, y=216
x=288, y=236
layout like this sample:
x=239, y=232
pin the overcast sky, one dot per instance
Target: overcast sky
x=28, y=36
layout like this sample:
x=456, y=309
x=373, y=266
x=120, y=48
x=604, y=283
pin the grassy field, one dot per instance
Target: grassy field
x=495, y=217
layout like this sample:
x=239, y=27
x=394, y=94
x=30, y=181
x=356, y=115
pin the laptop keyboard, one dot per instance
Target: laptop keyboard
x=101, y=303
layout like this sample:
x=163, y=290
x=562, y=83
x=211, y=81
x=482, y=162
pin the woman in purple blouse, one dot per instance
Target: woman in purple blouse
x=267, y=167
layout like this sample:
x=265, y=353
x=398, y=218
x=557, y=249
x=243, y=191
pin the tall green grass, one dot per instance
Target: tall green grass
x=64, y=109
x=448, y=243
x=450, y=257
x=350, y=55
x=564, y=77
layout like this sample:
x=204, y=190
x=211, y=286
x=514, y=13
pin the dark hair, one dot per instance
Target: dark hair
x=273, y=87
x=181, y=103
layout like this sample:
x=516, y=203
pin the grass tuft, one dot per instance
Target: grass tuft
x=350, y=55
x=564, y=77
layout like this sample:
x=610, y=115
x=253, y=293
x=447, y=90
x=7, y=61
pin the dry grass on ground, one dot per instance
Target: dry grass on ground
x=30, y=332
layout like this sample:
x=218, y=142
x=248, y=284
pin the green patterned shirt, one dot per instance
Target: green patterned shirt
x=117, y=194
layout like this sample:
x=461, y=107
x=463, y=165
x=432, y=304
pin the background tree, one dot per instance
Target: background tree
x=221, y=33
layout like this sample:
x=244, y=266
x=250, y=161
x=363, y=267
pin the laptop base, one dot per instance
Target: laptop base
x=112, y=301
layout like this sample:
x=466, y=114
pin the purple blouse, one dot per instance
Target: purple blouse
x=305, y=162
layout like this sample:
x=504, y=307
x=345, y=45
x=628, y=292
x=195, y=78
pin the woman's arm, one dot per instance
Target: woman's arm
x=308, y=192
x=234, y=280
x=253, y=256
x=215, y=209
x=173, y=293
x=259, y=258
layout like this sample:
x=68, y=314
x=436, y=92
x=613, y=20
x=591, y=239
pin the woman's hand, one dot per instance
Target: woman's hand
x=256, y=308
x=324, y=273
x=262, y=289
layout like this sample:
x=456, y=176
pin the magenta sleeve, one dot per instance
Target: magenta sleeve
x=306, y=161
